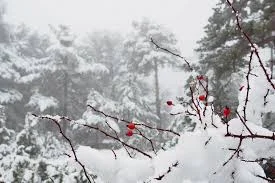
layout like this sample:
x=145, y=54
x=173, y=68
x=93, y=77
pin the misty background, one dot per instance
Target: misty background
x=58, y=56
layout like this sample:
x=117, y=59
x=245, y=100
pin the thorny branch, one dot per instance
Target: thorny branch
x=70, y=143
x=248, y=86
x=137, y=124
x=252, y=45
x=109, y=135
x=242, y=120
x=151, y=142
x=195, y=105
x=118, y=137
x=170, y=52
x=254, y=50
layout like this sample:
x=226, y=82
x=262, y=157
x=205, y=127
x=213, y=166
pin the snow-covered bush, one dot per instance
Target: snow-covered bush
x=29, y=157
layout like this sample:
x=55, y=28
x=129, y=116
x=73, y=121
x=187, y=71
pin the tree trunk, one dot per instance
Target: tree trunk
x=96, y=145
x=157, y=94
x=65, y=94
x=272, y=58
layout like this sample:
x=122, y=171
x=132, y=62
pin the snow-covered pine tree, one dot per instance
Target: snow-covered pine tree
x=223, y=51
x=33, y=158
x=102, y=50
x=135, y=103
x=68, y=76
x=146, y=60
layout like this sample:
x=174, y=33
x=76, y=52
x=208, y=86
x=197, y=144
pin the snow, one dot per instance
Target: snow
x=41, y=102
x=194, y=150
x=28, y=78
x=113, y=124
x=177, y=109
x=256, y=105
x=204, y=155
x=192, y=155
x=9, y=96
x=96, y=68
x=120, y=170
x=91, y=118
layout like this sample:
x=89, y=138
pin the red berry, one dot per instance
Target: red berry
x=226, y=111
x=200, y=77
x=169, y=102
x=202, y=97
x=241, y=88
x=129, y=133
x=131, y=126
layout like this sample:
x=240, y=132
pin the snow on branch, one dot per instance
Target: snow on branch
x=254, y=47
x=56, y=121
x=136, y=124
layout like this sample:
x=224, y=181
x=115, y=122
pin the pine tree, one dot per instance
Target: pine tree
x=144, y=59
x=66, y=76
x=102, y=50
x=11, y=65
x=223, y=49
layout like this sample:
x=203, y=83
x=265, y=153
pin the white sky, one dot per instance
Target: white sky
x=186, y=18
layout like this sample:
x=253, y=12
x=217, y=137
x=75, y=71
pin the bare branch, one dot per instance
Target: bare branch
x=137, y=124
x=70, y=143
x=175, y=54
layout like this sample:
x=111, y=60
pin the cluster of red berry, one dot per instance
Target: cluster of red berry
x=226, y=110
x=131, y=126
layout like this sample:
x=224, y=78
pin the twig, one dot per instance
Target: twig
x=265, y=97
x=243, y=122
x=167, y=172
x=70, y=143
x=137, y=124
x=118, y=137
x=248, y=86
x=114, y=153
x=267, y=179
x=207, y=141
x=175, y=54
x=152, y=145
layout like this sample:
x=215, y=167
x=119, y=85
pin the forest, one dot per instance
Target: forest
x=92, y=108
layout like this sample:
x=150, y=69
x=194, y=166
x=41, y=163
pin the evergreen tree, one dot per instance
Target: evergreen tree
x=223, y=49
x=121, y=92
x=36, y=158
x=66, y=76
x=145, y=60
x=102, y=50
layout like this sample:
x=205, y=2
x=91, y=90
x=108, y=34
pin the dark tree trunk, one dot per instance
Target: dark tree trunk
x=272, y=58
x=65, y=94
x=157, y=93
